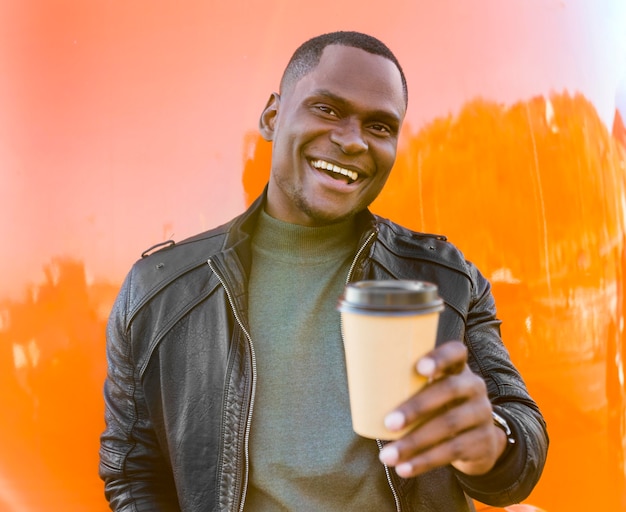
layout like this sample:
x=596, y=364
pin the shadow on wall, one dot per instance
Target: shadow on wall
x=532, y=192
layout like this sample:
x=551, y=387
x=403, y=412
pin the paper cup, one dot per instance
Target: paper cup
x=387, y=326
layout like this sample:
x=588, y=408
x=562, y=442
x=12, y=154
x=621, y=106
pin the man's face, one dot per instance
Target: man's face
x=334, y=137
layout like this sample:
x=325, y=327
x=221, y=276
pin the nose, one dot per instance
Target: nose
x=349, y=137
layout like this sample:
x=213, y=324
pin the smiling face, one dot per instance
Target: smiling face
x=334, y=134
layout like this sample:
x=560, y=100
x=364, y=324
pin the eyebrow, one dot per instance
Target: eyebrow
x=387, y=115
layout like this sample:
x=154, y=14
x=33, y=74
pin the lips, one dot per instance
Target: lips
x=352, y=176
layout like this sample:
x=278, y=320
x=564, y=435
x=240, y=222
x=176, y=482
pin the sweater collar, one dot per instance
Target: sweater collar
x=304, y=244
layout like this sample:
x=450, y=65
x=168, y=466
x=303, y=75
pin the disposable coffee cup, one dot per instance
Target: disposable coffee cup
x=387, y=326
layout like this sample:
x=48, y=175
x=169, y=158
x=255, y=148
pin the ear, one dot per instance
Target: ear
x=269, y=116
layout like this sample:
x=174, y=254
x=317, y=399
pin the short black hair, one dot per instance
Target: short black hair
x=308, y=54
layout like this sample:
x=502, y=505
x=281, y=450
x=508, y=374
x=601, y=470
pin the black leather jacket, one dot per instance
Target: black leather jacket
x=181, y=379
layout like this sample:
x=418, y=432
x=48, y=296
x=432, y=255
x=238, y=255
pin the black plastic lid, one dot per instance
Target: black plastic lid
x=391, y=295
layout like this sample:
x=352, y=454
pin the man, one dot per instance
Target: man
x=226, y=387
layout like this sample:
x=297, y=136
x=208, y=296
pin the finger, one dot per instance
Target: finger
x=446, y=359
x=436, y=398
x=467, y=446
x=448, y=425
x=438, y=429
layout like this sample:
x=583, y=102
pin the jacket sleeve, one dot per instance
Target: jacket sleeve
x=518, y=470
x=136, y=474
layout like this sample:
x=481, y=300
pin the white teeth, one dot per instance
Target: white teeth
x=321, y=164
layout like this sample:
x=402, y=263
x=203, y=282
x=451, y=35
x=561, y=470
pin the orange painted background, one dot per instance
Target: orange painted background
x=125, y=123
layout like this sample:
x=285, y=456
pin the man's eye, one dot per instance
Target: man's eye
x=327, y=110
x=381, y=128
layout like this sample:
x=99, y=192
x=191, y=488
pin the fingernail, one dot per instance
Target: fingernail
x=394, y=420
x=426, y=366
x=404, y=470
x=389, y=455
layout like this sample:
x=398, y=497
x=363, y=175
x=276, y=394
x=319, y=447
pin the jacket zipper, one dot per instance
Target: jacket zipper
x=358, y=255
x=244, y=489
x=378, y=441
x=389, y=480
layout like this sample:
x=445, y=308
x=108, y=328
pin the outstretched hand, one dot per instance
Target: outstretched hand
x=453, y=419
